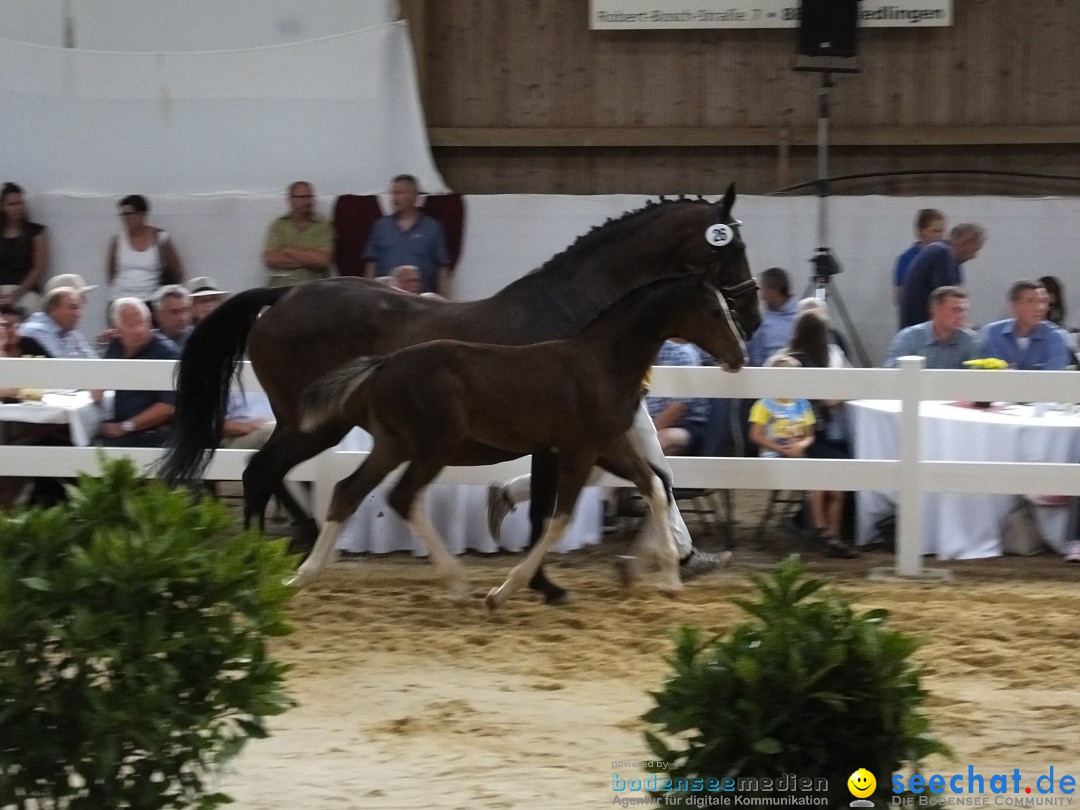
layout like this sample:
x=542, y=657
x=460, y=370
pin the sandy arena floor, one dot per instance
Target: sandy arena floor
x=409, y=702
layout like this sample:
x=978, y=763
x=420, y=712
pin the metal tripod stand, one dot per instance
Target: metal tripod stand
x=824, y=263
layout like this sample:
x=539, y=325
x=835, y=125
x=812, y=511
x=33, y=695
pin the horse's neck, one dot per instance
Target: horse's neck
x=574, y=287
x=631, y=338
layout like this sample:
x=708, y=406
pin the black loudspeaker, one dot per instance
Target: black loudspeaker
x=829, y=28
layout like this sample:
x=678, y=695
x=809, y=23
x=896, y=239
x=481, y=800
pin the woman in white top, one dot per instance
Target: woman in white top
x=141, y=257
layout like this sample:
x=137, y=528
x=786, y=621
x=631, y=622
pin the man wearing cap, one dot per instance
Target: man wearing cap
x=299, y=245
x=206, y=296
x=53, y=330
x=408, y=236
x=140, y=418
x=172, y=313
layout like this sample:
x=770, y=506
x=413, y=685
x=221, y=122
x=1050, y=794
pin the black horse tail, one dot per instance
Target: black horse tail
x=210, y=358
x=326, y=397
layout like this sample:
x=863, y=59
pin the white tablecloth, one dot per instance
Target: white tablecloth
x=958, y=525
x=459, y=513
x=75, y=409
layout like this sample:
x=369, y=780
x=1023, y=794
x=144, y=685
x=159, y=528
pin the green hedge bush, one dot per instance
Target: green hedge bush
x=806, y=687
x=134, y=661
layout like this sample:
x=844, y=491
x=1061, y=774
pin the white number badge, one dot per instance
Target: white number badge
x=719, y=235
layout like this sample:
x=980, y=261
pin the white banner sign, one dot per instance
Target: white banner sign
x=642, y=14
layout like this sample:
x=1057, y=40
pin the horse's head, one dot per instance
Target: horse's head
x=715, y=247
x=702, y=316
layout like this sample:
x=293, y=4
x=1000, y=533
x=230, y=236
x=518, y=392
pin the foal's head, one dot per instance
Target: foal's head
x=694, y=310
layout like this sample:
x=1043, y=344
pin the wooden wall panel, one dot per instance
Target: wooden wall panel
x=1005, y=70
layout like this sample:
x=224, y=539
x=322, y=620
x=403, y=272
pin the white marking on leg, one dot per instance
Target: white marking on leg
x=554, y=529
x=320, y=556
x=664, y=550
x=447, y=565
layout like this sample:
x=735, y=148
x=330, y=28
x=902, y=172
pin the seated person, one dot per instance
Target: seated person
x=944, y=340
x=54, y=330
x=785, y=428
x=172, y=314
x=140, y=418
x=1027, y=341
x=206, y=296
x=680, y=422
x=249, y=421
x=406, y=277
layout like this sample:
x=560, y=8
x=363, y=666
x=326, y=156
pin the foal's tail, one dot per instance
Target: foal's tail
x=210, y=358
x=326, y=397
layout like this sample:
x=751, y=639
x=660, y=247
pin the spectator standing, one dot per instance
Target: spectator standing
x=939, y=264
x=777, y=317
x=1056, y=310
x=140, y=418
x=299, y=245
x=1027, y=341
x=929, y=228
x=408, y=236
x=944, y=341
x=141, y=257
x=24, y=251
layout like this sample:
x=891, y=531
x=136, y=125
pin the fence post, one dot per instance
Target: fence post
x=909, y=518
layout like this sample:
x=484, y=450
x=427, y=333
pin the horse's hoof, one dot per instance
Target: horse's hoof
x=670, y=589
x=493, y=601
x=297, y=580
x=558, y=597
x=460, y=593
x=626, y=569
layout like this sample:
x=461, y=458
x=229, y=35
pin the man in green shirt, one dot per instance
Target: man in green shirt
x=299, y=245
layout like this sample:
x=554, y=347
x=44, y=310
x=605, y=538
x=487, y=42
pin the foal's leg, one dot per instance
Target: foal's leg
x=348, y=494
x=573, y=473
x=623, y=460
x=406, y=498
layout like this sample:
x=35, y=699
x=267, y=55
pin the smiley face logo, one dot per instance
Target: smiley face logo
x=861, y=783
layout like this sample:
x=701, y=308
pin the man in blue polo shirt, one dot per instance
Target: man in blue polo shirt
x=944, y=340
x=408, y=237
x=1027, y=341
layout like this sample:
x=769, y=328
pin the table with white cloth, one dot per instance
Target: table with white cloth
x=72, y=408
x=459, y=513
x=966, y=525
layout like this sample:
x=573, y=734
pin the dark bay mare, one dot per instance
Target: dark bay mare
x=451, y=402
x=316, y=327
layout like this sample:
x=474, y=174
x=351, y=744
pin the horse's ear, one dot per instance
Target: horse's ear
x=728, y=202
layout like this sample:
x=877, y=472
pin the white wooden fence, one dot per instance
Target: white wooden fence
x=907, y=475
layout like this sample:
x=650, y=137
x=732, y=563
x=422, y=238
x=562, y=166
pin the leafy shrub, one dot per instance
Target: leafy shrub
x=133, y=646
x=807, y=687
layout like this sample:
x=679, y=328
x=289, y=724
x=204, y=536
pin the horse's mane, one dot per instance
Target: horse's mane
x=611, y=229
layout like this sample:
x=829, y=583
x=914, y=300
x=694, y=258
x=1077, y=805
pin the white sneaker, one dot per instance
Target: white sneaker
x=1072, y=553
